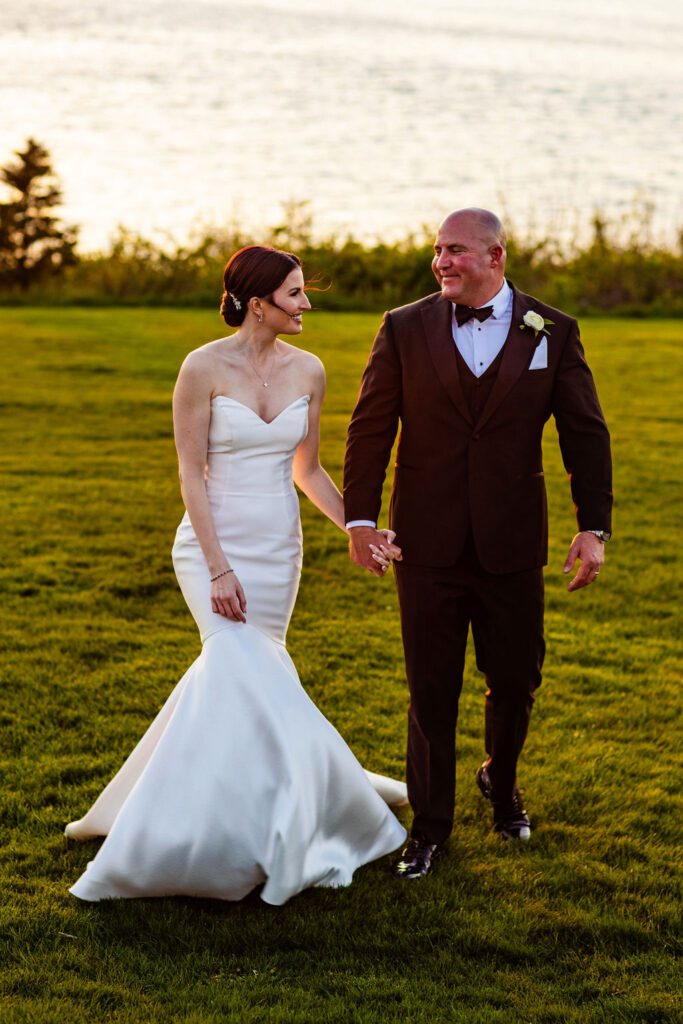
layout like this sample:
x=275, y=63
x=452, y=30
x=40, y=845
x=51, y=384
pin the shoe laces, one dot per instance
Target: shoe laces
x=513, y=812
x=517, y=807
x=413, y=846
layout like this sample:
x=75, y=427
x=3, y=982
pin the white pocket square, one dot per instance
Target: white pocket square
x=539, y=360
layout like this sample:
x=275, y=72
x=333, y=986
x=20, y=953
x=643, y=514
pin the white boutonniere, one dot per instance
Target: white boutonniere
x=536, y=322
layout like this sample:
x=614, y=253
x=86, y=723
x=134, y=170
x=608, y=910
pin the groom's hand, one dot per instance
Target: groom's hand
x=365, y=542
x=591, y=552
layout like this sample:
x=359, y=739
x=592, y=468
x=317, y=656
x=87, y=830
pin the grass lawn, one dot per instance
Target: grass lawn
x=579, y=925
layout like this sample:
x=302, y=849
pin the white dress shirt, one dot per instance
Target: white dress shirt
x=478, y=344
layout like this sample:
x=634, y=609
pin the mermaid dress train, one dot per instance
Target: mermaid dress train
x=240, y=781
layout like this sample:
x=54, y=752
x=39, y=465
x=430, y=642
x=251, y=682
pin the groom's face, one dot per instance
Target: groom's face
x=463, y=263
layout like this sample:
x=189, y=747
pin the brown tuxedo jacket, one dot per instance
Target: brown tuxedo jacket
x=453, y=474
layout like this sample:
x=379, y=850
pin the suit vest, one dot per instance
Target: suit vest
x=477, y=389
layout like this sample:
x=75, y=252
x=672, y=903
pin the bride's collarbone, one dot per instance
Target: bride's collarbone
x=265, y=389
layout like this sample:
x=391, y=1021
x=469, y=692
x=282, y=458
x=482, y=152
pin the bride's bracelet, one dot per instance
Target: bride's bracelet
x=224, y=573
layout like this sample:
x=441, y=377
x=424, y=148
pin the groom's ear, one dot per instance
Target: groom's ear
x=496, y=252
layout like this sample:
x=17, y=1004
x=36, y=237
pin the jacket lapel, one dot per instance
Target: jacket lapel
x=517, y=352
x=437, y=323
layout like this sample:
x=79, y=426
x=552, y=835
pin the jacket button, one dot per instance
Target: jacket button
x=476, y=436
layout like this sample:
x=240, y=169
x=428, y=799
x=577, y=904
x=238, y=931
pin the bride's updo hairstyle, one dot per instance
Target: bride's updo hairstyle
x=253, y=272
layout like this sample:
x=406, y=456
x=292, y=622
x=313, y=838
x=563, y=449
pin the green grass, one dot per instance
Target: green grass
x=577, y=926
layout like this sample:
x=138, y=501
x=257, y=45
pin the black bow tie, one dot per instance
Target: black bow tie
x=465, y=313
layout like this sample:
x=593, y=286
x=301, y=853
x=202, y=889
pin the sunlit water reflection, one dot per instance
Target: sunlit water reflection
x=385, y=114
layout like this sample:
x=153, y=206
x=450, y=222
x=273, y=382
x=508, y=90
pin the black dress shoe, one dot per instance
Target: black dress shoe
x=510, y=820
x=484, y=781
x=416, y=859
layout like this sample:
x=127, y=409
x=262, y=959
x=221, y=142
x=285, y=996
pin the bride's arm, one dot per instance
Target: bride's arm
x=309, y=475
x=191, y=417
x=315, y=482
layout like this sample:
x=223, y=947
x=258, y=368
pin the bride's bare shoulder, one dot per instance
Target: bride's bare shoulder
x=203, y=359
x=302, y=358
x=199, y=371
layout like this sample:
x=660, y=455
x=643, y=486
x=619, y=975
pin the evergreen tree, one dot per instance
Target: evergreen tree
x=33, y=244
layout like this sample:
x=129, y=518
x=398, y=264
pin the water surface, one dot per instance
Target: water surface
x=384, y=114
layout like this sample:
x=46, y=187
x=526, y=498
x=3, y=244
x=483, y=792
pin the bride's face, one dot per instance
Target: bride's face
x=291, y=302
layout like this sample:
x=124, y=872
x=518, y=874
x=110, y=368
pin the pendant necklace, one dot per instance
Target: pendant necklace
x=272, y=364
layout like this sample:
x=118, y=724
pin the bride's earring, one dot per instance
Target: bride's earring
x=260, y=318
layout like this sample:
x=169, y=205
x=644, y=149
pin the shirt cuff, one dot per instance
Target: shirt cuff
x=361, y=522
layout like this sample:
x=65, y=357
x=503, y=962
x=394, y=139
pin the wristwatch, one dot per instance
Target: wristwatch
x=602, y=535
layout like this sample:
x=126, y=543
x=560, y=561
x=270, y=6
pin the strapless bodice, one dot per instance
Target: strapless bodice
x=255, y=511
x=246, y=454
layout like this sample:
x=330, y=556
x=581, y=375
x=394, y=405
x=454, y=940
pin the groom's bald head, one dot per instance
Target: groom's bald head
x=486, y=225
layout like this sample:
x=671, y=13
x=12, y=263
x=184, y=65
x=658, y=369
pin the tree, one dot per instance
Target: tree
x=33, y=244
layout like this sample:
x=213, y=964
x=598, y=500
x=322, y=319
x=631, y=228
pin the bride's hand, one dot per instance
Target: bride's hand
x=227, y=598
x=385, y=554
x=393, y=548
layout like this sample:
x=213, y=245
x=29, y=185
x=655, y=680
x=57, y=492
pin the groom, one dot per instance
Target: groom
x=472, y=373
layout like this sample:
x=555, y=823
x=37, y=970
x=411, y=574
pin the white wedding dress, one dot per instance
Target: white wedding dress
x=240, y=781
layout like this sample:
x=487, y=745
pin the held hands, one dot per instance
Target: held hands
x=227, y=598
x=591, y=553
x=373, y=549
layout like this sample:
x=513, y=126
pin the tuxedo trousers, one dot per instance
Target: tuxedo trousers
x=438, y=605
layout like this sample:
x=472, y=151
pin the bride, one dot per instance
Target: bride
x=240, y=781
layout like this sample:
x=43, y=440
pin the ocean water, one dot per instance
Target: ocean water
x=384, y=115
